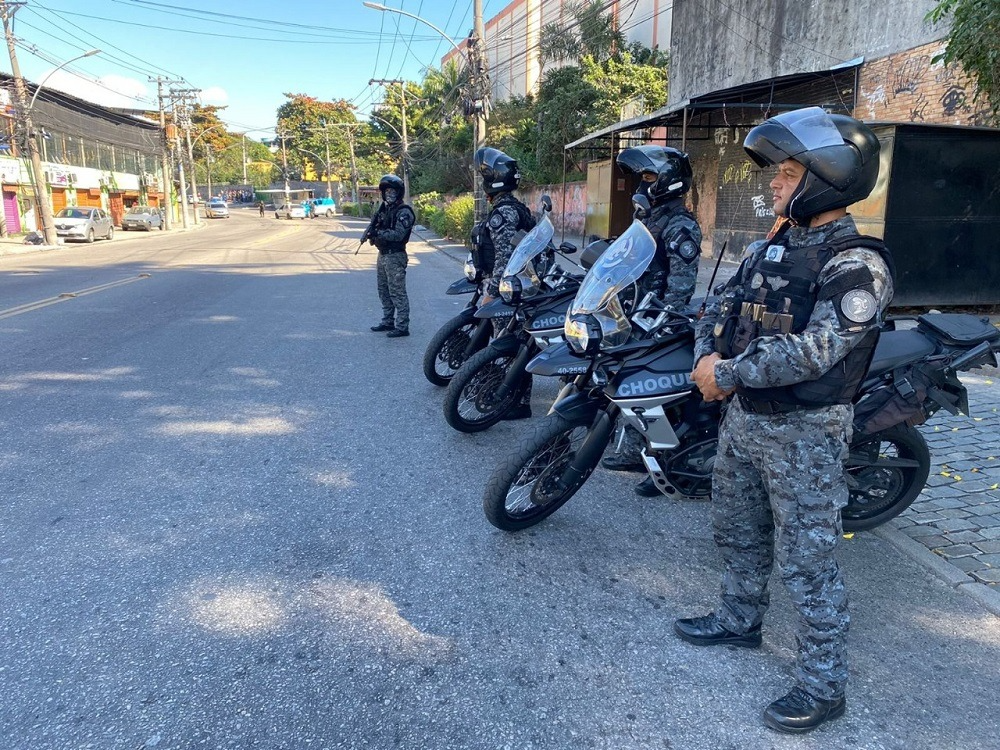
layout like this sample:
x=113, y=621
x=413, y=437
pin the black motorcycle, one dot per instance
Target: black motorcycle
x=460, y=337
x=531, y=311
x=646, y=381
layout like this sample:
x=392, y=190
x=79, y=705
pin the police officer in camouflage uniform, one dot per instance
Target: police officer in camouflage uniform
x=792, y=336
x=665, y=177
x=392, y=225
x=497, y=234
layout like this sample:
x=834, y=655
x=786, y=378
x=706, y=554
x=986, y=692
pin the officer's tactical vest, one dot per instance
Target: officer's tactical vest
x=484, y=254
x=388, y=221
x=777, y=294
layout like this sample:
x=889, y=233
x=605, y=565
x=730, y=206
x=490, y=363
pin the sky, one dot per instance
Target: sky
x=242, y=54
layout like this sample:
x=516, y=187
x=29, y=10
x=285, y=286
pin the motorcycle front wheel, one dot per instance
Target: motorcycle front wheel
x=471, y=403
x=527, y=487
x=446, y=350
x=885, y=473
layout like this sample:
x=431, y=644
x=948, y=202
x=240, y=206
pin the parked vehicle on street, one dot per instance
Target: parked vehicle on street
x=216, y=209
x=142, y=218
x=290, y=211
x=84, y=223
x=322, y=207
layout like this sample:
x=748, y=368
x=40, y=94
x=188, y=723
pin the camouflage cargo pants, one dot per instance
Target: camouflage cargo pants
x=778, y=487
x=391, y=270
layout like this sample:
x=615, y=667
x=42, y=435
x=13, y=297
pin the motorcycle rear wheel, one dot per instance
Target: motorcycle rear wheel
x=885, y=472
x=471, y=403
x=446, y=351
x=525, y=488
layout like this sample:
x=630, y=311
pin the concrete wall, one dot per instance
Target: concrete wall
x=569, y=210
x=717, y=45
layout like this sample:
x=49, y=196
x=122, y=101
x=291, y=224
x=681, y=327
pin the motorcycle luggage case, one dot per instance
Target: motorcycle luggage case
x=958, y=329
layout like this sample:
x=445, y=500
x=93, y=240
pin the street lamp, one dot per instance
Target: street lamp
x=37, y=177
x=476, y=67
x=284, y=164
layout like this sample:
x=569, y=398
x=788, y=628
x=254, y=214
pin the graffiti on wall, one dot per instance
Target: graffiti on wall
x=570, y=207
x=913, y=86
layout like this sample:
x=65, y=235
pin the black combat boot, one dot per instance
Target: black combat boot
x=708, y=631
x=518, y=412
x=647, y=488
x=800, y=712
x=623, y=462
x=396, y=333
x=383, y=327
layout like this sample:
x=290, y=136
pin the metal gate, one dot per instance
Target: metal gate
x=10, y=212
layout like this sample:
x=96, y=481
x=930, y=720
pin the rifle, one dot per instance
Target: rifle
x=367, y=236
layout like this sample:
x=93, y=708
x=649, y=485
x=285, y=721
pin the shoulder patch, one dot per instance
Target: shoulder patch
x=859, y=306
x=496, y=220
x=688, y=250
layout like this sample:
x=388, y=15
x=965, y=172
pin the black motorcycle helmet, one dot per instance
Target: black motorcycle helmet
x=840, y=155
x=392, y=181
x=671, y=167
x=498, y=170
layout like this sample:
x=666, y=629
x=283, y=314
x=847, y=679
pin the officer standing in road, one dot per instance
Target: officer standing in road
x=391, y=228
x=792, y=336
x=664, y=178
x=497, y=234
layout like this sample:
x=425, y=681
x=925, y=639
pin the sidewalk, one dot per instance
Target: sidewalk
x=14, y=245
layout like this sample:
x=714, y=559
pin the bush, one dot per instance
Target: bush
x=425, y=205
x=459, y=216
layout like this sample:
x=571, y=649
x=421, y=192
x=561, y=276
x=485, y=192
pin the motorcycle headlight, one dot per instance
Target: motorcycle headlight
x=470, y=269
x=510, y=289
x=583, y=334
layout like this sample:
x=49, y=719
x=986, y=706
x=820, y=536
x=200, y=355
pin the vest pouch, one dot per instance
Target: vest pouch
x=900, y=400
x=746, y=330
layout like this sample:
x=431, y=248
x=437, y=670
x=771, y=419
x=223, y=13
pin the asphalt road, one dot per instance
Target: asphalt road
x=235, y=518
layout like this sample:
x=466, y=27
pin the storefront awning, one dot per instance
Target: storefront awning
x=759, y=95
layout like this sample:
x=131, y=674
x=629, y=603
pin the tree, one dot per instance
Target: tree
x=974, y=42
x=592, y=31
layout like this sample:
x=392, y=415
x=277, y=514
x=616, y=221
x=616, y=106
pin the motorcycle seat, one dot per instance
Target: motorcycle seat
x=896, y=348
x=958, y=329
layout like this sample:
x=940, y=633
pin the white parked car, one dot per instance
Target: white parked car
x=291, y=211
x=84, y=223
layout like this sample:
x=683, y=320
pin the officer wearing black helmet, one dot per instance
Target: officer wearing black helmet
x=391, y=228
x=792, y=336
x=494, y=238
x=664, y=178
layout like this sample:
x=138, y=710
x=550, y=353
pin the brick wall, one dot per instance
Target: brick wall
x=908, y=87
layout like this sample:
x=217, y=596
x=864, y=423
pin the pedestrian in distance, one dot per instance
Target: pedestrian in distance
x=260, y=206
x=496, y=237
x=664, y=177
x=389, y=231
x=791, y=336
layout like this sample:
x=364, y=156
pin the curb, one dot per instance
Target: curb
x=18, y=248
x=443, y=246
x=988, y=597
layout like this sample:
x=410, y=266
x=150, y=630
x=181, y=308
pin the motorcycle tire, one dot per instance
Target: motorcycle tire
x=470, y=404
x=886, y=471
x=523, y=490
x=446, y=351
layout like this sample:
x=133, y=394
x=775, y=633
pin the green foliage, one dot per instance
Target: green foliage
x=424, y=203
x=459, y=216
x=593, y=32
x=974, y=41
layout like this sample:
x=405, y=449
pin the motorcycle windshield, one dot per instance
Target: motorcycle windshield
x=625, y=260
x=531, y=245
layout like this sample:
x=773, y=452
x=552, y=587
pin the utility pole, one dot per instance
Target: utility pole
x=405, y=160
x=185, y=123
x=243, y=144
x=477, y=106
x=354, y=167
x=168, y=177
x=180, y=162
x=38, y=182
x=208, y=165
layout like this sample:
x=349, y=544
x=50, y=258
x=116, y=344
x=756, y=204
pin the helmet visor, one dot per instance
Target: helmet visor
x=790, y=135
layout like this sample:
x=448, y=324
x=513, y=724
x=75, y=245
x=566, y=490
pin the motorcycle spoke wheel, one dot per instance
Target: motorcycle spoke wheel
x=885, y=473
x=528, y=486
x=472, y=403
x=446, y=352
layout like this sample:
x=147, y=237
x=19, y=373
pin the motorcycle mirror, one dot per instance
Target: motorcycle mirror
x=641, y=203
x=546, y=204
x=567, y=248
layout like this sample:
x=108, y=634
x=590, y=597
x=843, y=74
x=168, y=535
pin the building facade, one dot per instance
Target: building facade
x=91, y=156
